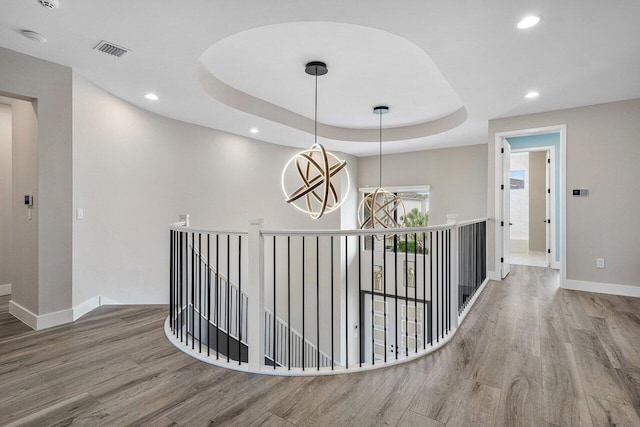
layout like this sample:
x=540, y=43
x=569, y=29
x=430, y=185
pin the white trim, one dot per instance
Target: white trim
x=555, y=265
x=85, y=307
x=602, y=288
x=499, y=136
x=492, y=275
x=23, y=314
x=43, y=321
x=5, y=289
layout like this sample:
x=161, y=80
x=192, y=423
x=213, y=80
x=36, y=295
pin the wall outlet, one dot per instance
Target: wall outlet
x=80, y=213
x=600, y=262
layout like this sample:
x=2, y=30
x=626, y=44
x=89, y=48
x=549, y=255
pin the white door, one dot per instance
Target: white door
x=548, y=208
x=506, y=207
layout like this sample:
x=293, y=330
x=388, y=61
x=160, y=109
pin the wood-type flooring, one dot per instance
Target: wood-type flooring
x=528, y=353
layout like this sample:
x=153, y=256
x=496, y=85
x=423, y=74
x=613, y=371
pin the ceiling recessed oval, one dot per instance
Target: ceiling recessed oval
x=261, y=72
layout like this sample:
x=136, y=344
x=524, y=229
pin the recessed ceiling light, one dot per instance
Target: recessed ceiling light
x=151, y=96
x=528, y=22
x=532, y=94
x=254, y=130
x=33, y=36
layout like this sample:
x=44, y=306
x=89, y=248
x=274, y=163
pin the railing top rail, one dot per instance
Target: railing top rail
x=179, y=226
x=472, y=221
x=369, y=232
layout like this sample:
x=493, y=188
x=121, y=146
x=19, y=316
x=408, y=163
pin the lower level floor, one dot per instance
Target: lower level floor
x=528, y=353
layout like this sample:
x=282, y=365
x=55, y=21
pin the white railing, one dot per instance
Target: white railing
x=301, y=302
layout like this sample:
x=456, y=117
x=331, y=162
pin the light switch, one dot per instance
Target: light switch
x=600, y=262
x=80, y=213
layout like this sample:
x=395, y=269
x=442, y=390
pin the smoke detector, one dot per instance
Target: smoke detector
x=111, y=49
x=49, y=4
x=33, y=36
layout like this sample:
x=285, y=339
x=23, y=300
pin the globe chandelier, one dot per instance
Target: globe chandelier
x=380, y=209
x=315, y=170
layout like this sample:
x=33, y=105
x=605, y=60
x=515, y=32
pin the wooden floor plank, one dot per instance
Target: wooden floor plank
x=528, y=353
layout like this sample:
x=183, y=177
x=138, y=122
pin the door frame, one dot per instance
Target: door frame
x=498, y=199
x=552, y=200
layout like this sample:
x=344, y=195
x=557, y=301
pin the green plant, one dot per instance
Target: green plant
x=414, y=219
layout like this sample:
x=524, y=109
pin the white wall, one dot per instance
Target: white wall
x=135, y=172
x=49, y=85
x=457, y=177
x=603, y=156
x=5, y=193
x=537, y=201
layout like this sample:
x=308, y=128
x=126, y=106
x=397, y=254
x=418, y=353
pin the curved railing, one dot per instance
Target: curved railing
x=309, y=302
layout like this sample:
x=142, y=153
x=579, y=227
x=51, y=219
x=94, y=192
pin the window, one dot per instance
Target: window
x=415, y=200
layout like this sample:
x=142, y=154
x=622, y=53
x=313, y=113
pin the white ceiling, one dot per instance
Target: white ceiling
x=583, y=52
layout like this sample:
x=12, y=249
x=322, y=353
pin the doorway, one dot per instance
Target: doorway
x=542, y=145
x=530, y=188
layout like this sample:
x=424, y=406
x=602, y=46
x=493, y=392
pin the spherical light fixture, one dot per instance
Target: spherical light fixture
x=380, y=209
x=315, y=169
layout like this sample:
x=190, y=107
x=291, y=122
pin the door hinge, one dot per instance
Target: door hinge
x=548, y=251
x=548, y=221
x=501, y=223
x=549, y=190
x=502, y=186
x=548, y=160
x=502, y=150
x=501, y=259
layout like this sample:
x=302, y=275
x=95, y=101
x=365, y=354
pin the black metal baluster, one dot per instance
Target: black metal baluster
x=437, y=296
x=318, y=300
x=406, y=294
x=415, y=290
x=373, y=303
x=289, y=301
x=303, y=274
x=181, y=285
x=448, y=264
x=171, y=279
x=332, y=272
x=199, y=293
x=424, y=291
x=346, y=299
x=384, y=290
x=217, y=296
x=228, y=296
x=240, y=300
x=208, y=295
x=395, y=279
x=275, y=321
x=360, y=322
x=431, y=287
x=193, y=284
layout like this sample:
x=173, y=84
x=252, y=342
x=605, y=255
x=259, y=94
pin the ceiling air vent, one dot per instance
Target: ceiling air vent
x=111, y=49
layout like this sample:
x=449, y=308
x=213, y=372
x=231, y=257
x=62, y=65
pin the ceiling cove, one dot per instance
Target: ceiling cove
x=261, y=72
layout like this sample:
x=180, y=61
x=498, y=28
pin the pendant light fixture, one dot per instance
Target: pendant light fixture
x=316, y=169
x=380, y=209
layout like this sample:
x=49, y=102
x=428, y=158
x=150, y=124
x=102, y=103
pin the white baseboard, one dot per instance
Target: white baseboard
x=39, y=322
x=492, y=275
x=85, y=307
x=5, y=289
x=602, y=288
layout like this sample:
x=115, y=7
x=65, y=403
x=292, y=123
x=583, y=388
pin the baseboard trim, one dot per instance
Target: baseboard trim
x=39, y=322
x=602, y=288
x=85, y=307
x=5, y=289
x=492, y=275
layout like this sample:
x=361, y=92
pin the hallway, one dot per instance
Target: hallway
x=527, y=354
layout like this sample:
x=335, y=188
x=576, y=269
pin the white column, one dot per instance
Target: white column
x=255, y=291
x=453, y=219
